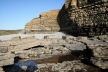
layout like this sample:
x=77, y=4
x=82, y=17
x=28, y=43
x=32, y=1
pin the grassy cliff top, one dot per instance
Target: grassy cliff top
x=7, y=32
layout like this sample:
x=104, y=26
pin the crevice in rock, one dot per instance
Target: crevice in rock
x=87, y=55
x=35, y=47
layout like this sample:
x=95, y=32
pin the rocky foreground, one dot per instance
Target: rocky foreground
x=65, y=54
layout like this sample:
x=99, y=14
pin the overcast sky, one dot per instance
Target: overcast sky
x=14, y=14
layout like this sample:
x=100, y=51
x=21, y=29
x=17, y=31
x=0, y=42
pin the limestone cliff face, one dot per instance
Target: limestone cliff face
x=84, y=16
x=78, y=17
x=46, y=22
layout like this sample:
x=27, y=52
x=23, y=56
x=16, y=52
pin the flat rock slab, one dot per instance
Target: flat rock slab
x=6, y=59
x=6, y=56
x=100, y=51
x=38, y=36
x=7, y=62
x=100, y=63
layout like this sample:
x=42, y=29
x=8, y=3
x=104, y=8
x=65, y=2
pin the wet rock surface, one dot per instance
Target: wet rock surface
x=67, y=66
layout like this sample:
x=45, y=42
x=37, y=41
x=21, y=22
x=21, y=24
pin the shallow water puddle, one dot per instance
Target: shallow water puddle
x=26, y=63
x=76, y=55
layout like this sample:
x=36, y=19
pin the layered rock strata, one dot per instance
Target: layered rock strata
x=85, y=17
x=46, y=22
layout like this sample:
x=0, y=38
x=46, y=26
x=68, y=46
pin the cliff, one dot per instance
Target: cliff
x=46, y=22
x=84, y=17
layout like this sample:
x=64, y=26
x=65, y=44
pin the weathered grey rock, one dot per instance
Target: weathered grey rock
x=55, y=47
x=67, y=37
x=55, y=52
x=6, y=59
x=103, y=37
x=7, y=62
x=99, y=48
x=6, y=56
x=102, y=63
x=31, y=48
x=75, y=46
x=67, y=66
x=3, y=49
x=23, y=55
x=81, y=38
x=100, y=51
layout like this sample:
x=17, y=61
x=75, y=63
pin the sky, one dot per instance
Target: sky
x=14, y=14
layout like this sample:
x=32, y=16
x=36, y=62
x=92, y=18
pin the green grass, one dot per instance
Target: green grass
x=7, y=32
